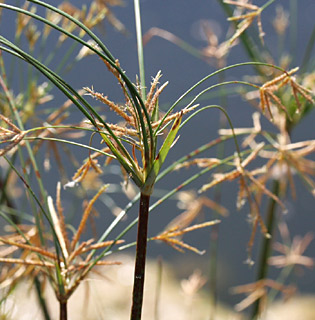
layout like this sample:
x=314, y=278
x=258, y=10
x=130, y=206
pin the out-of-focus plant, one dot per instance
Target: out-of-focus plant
x=134, y=144
x=283, y=101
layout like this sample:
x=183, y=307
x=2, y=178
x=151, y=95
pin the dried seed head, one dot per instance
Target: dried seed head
x=281, y=21
x=247, y=19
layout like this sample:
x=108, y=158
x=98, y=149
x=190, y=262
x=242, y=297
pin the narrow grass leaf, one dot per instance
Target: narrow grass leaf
x=160, y=158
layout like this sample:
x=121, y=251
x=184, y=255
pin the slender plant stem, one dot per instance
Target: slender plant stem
x=308, y=52
x=41, y=299
x=5, y=198
x=266, y=245
x=63, y=310
x=158, y=289
x=138, y=284
x=214, y=234
x=140, y=47
x=293, y=30
x=283, y=276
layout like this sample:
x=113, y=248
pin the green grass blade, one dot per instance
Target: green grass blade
x=140, y=48
x=160, y=158
x=308, y=52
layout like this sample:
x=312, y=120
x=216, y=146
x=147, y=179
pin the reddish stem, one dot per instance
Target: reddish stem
x=138, y=285
x=63, y=310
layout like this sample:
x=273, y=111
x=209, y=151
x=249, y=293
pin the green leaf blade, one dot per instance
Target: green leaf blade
x=160, y=158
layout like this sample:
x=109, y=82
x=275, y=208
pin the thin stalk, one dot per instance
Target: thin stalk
x=293, y=30
x=308, y=52
x=17, y=40
x=2, y=69
x=4, y=197
x=267, y=4
x=41, y=299
x=267, y=242
x=137, y=297
x=284, y=274
x=140, y=47
x=214, y=233
x=158, y=289
x=214, y=236
x=63, y=315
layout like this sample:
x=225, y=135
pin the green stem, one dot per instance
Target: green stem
x=140, y=47
x=284, y=274
x=267, y=4
x=293, y=30
x=214, y=234
x=138, y=285
x=41, y=299
x=308, y=52
x=266, y=245
x=158, y=289
x=5, y=198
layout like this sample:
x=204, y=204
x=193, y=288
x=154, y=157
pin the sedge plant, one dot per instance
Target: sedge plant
x=141, y=163
x=140, y=142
